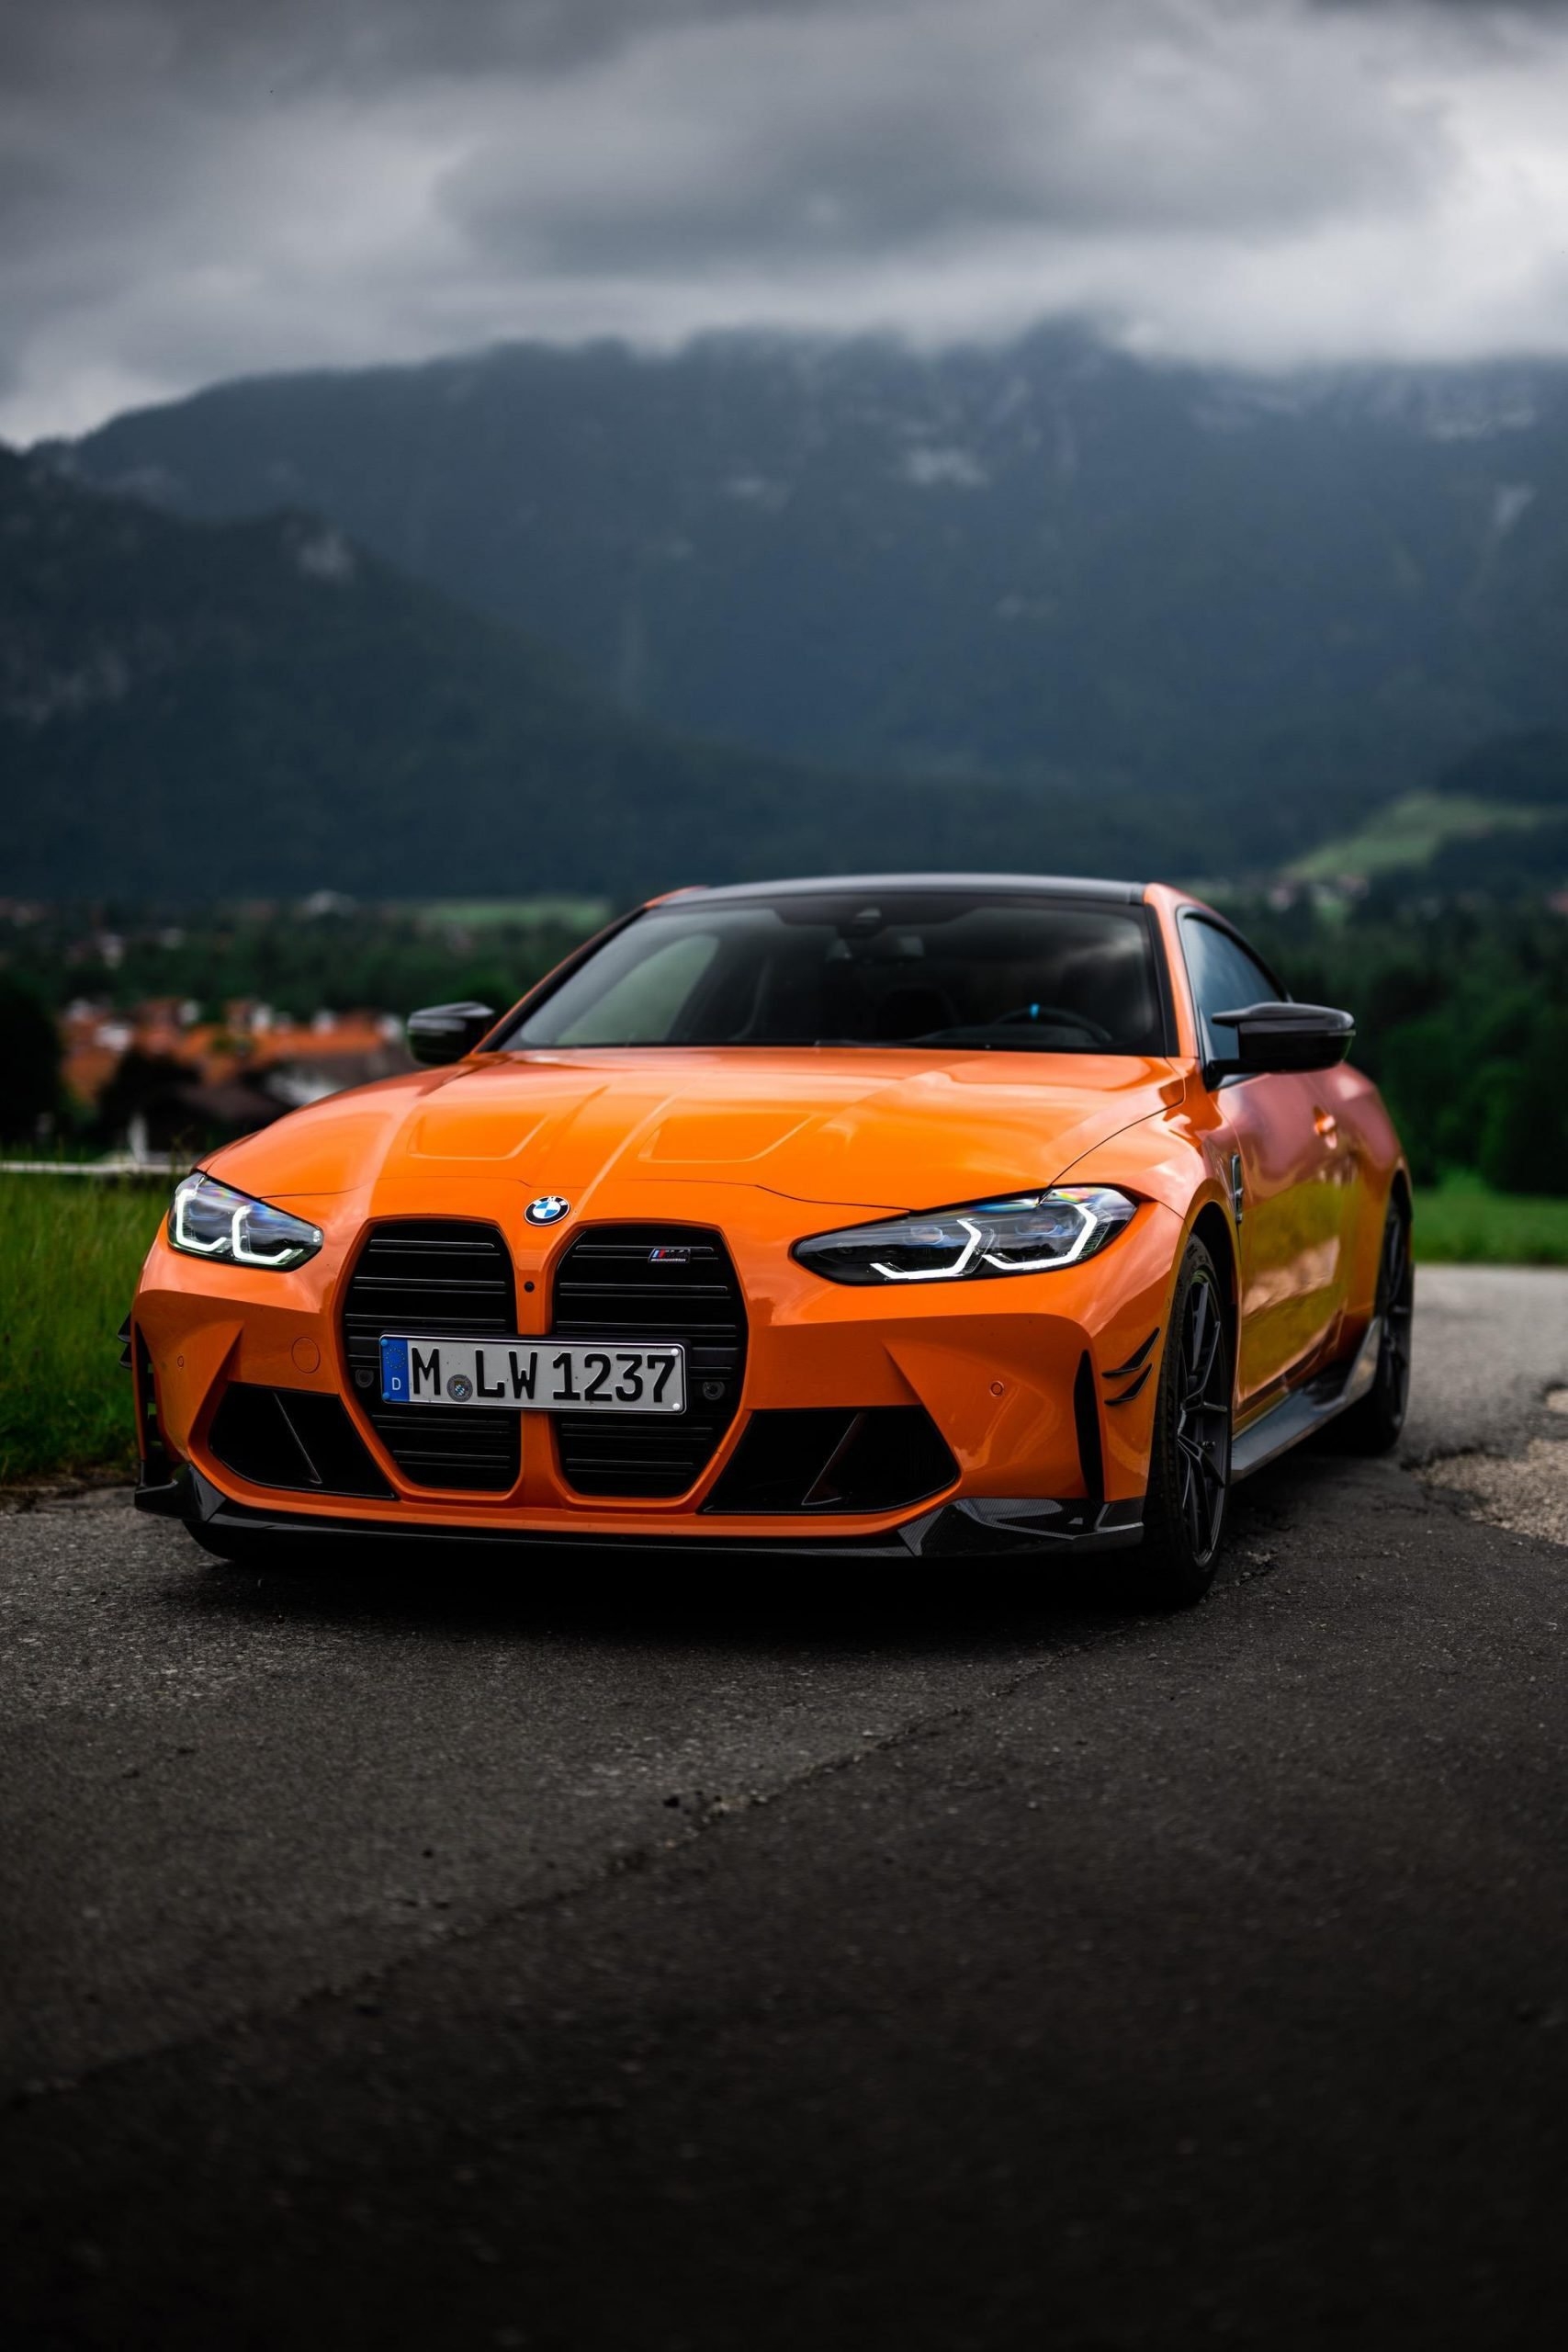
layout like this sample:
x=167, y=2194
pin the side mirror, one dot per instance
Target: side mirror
x=444, y=1033
x=1281, y=1036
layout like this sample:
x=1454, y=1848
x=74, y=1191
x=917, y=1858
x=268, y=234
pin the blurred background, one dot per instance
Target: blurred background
x=467, y=468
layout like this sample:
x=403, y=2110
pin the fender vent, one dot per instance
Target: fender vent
x=1086, y=1418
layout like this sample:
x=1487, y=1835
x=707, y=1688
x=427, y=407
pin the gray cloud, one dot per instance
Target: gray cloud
x=361, y=46
x=193, y=188
x=787, y=145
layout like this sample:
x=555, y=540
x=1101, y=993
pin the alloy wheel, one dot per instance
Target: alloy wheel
x=1396, y=1303
x=1203, y=1431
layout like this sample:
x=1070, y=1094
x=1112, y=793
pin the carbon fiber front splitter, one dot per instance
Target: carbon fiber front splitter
x=972, y=1528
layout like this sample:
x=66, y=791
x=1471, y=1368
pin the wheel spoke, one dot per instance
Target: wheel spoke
x=1196, y=1333
x=1193, y=1500
x=1396, y=1308
x=1199, y=1431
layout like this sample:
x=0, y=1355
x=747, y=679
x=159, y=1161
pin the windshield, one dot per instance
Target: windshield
x=890, y=969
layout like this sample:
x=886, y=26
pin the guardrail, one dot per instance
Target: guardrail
x=119, y=1168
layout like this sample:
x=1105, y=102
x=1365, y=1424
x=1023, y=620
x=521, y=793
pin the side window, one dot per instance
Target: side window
x=1223, y=977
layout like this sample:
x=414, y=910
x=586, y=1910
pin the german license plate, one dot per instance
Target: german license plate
x=535, y=1375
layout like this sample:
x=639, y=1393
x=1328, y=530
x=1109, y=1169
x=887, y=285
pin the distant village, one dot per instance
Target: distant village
x=135, y=1035
x=159, y=1075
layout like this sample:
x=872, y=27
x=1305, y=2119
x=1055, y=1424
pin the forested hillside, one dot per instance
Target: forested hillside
x=190, y=710
x=1047, y=559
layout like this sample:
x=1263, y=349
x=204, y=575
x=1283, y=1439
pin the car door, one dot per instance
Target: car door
x=1289, y=1170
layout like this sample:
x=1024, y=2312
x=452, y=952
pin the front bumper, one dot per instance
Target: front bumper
x=1000, y=1368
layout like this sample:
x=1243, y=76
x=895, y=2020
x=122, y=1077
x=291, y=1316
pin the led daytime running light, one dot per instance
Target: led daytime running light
x=210, y=1219
x=938, y=1273
x=1032, y=1233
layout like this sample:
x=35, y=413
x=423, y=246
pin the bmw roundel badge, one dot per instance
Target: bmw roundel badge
x=548, y=1210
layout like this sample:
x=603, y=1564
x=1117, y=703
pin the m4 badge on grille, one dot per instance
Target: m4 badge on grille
x=669, y=1257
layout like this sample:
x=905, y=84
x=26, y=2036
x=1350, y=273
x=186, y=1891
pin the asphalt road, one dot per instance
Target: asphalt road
x=693, y=1959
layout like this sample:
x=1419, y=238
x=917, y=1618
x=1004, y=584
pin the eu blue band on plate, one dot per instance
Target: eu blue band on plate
x=394, y=1371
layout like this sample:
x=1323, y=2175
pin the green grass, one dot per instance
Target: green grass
x=1463, y=1222
x=1407, y=833
x=522, y=914
x=70, y=1251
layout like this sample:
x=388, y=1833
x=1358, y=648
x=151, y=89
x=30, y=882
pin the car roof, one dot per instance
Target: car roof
x=1052, y=886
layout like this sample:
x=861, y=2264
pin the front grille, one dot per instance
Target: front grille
x=650, y=1282
x=423, y=1276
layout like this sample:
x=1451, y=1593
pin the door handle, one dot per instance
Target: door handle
x=1328, y=1127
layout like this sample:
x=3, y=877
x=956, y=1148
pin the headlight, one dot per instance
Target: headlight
x=211, y=1220
x=1029, y=1234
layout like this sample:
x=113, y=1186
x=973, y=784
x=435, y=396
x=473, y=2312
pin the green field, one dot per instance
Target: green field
x=584, y=915
x=1406, y=832
x=69, y=1251
x=1464, y=1223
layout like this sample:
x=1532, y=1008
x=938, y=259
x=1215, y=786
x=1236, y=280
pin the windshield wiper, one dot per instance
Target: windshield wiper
x=989, y=1041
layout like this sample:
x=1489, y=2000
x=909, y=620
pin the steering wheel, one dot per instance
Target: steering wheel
x=1047, y=1014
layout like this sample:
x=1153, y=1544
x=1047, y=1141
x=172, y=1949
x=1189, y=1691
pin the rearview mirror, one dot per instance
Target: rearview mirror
x=1281, y=1036
x=444, y=1033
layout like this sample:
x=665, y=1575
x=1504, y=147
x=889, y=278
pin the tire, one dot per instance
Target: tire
x=1372, y=1425
x=1189, y=1460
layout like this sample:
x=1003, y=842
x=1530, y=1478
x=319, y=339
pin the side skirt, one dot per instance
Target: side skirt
x=1306, y=1408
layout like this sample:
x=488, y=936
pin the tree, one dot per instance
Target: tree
x=1524, y=1146
x=29, y=1062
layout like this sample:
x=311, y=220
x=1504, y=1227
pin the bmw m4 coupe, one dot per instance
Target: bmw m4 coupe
x=895, y=1218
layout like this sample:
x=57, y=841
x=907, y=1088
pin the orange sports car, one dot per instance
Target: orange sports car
x=903, y=1217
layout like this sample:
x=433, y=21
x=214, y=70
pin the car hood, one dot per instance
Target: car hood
x=867, y=1127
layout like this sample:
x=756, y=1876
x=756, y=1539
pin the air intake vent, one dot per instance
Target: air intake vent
x=651, y=1281
x=428, y=1275
x=819, y=1459
x=155, y=1462
x=293, y=1437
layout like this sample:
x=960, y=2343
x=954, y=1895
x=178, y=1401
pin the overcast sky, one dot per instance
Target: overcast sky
x=191, y=189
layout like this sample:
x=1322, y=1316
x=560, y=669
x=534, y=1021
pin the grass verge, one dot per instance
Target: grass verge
x=1463, y=1222
x=69, y=1251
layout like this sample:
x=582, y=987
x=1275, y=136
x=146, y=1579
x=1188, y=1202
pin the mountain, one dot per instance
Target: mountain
x=190, y=709
x=1044, y=562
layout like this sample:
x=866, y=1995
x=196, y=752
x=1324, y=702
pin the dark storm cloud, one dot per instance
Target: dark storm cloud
x=190, y=189
x=788, y=149
x=363, y=44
